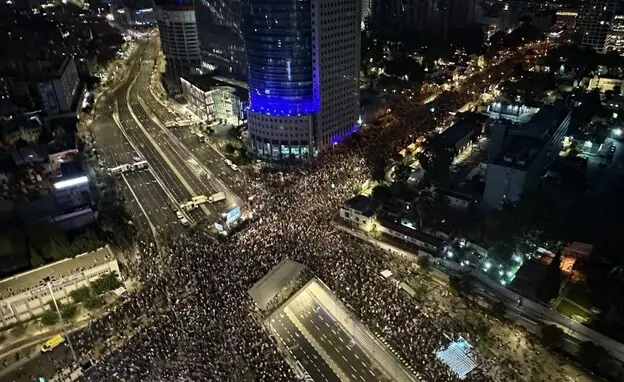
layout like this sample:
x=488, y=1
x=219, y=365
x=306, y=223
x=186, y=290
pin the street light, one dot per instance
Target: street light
x=58, y=311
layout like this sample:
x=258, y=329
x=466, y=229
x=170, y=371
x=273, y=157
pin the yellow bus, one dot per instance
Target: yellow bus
x=52, y=343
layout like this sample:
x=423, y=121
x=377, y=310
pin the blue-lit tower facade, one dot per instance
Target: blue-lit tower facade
x=299, y=78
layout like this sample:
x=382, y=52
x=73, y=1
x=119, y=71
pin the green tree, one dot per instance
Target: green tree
x=591, y=355
x=436, y=159
x=81, y=294
x=401, y=174
x=69, y=311
x=94, y=302
x=498, y=309
x=424, y=265
x=552, y=335
x=49, y=318
x=105, y=283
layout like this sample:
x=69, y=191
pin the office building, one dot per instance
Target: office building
x=304, y=66
x=521, y=153
x=594, y=22
x=26, y=295
x=178, y=39
x=57, y=86
x=215, y=101
x=615, y=37
x=220, y=36
x=367, y=11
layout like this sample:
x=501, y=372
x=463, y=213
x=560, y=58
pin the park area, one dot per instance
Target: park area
x=575, y=302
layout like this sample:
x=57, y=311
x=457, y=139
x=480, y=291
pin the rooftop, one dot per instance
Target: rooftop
x=458, y=131
x=407, y=231
x=363, y=204
x=545, y=121
x=519, y=153
x=207, y=83
x=278, y=278
x=56, y=271
x=528, y=278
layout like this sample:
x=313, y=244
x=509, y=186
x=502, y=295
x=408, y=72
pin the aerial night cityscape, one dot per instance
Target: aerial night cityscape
x=311, y=190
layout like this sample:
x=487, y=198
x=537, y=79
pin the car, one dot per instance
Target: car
x=184, y=222
x=136, y=157
x=179, y=215
x=234, y=167
x=228, y=162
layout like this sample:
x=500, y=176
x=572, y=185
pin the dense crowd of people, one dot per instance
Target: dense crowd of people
x=192, y=319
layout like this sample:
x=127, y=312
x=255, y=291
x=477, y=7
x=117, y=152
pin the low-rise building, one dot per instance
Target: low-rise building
x=604, y=83
x=459, y=136
x=455, y=199
x=26, y=295
x=521, y=153
x=409, y=234
x=361, y=212
x=512, y=111
x=214, y=100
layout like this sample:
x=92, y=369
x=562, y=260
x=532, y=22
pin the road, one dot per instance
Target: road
x=301, y=349
x=114, y=150
x=44, y=365
x=196, y=151
x=325, y=350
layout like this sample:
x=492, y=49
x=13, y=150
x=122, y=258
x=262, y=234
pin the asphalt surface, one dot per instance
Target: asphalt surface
x=114, y=150
x=343, y=351
x=189, y=166
x=43, y=365
x=199, y=152
x=301, y=349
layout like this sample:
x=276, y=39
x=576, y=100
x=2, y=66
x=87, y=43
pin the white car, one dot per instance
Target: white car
x=228, y=162
x=184, y=222
x=179, y=215
x=234, y=167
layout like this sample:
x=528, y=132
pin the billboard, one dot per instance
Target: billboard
x=232, y=215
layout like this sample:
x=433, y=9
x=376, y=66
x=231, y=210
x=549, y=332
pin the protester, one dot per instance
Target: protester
x=192, y=319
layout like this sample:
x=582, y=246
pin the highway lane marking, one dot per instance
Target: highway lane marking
x=158, y=149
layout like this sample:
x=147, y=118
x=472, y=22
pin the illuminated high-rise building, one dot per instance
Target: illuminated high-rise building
x=178, y=40
x=303, y=61
x=594, y=22
x=220, y=36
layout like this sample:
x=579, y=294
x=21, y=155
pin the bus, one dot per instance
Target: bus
x=52, y=343
x=200, y=137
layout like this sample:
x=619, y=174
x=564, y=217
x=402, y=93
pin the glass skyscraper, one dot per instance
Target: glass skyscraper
x=303, y=74
x=178, y=40
x=279, y=55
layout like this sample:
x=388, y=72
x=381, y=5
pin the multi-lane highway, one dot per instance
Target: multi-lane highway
x=198, y=154
x=324, y=349
x=145, y=198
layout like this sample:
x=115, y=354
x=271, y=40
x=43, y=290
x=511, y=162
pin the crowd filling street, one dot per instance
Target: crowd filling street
x=192, y=319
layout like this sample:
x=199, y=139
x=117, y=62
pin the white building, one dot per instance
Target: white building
x=57, y=89
x=361, y=212
x=179, y=40
x=25, y=296
x=521, y=153
x=213, y=100
x=615, y=37
x=603, y=84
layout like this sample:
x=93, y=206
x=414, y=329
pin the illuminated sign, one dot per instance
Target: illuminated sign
x=219, y=227
x=71, y=182
x=232, y=215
